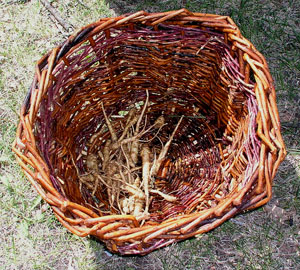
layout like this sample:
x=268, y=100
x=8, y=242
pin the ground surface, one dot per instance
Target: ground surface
x=31, y=238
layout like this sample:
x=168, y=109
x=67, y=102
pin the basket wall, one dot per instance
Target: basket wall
x=197, y=65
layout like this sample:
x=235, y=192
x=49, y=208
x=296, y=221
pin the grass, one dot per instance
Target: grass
x=30, y=236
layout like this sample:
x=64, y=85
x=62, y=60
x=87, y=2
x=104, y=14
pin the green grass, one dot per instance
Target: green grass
x=32, y=238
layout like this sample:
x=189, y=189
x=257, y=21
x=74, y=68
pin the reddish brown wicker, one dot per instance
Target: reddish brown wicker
x=224, y=156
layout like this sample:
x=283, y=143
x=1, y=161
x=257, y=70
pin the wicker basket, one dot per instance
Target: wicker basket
x=223, y=157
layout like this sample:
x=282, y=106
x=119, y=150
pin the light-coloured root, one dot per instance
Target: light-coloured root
x=87, y=180
x=137, y=128
x=152, y=179
x=164, y=150
x=92, y=163
x=131, y=114
x=105, y=183
x=135, y=202
x=95, y=136
x=138, y=208
x=127, y=127
x=112, y=173
x=130, y=172
x=95, y=185
x=109, y=126
x=134, y=153
x=118, y=144
x=127, y=205
x=137, y=182
x=129, y=162
x=106, y=154
x=139, y=203
x=100, y=155
x=133, y=190
x=145, y=153
x=117, y=193
x=159, y=122
x=166, y=197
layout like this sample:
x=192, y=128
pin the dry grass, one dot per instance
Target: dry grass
x=31, y=238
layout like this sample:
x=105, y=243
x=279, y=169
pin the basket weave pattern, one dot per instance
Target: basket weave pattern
x=223, y=158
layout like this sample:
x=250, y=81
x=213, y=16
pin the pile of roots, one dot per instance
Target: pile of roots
x=127, y=165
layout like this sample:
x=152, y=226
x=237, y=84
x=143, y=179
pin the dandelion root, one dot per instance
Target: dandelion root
x=126, y=165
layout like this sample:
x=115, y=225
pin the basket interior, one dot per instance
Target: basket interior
x=187, y=71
